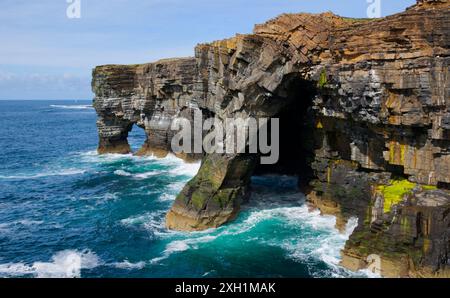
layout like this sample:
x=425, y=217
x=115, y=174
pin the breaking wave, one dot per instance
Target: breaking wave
x=64, y=264
x=182, y=245
x=73, y=107
x=66, y=172
x=172, y=165
x=122, y=173
x=130, y=266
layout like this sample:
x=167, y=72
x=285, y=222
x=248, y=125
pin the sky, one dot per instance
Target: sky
x=44, y=54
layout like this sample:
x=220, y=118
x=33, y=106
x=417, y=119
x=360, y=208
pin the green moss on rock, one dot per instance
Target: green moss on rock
x=198, y=200
x=323, y=81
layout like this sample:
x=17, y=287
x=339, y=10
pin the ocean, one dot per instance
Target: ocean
x=67, y=212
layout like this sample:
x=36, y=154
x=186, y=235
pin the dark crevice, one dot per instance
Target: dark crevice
x=443, y=185
x=296, y=131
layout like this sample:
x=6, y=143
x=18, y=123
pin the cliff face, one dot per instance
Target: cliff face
x=373, y=101
x=149, y=96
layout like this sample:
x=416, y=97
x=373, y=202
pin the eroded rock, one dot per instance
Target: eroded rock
x=379, y=112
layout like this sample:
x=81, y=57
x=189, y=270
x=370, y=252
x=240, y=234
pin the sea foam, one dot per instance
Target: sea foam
x=177, y=246
x=64, y=264
x=65, y=172
x=73, y=107
x=317, y=239
x=122, y=173
x=127, y=265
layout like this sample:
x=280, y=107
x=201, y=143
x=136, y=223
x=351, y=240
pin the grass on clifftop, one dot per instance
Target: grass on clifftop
x=358, y=19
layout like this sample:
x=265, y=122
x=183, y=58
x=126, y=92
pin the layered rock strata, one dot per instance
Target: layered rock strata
x=374, y=96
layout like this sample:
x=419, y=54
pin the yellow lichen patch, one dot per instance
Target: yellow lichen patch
x=405, y=225
x=319, y=124
x=395, y=192
x=414, y=157
x=402, y=153
x=329, y=174
x=429, y=187
x=397, y=153
x=323, y=80
x=391, y=152
x=426, y=245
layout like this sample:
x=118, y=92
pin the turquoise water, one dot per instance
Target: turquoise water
x=67, y=212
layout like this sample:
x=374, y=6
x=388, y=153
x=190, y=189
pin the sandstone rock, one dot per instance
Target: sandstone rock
x=148, y=96
x=375, y=97
x=412, y=240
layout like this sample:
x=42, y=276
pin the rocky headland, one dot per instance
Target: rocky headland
x=369, y=101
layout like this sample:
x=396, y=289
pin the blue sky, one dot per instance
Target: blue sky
x=45, y=55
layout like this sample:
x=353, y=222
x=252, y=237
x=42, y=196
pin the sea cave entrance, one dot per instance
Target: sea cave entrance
x=296, y=131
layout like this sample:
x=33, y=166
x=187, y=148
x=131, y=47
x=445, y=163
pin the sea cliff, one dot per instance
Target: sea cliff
x=370, y=101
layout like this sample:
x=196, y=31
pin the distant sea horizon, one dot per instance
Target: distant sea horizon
x=37, y=99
